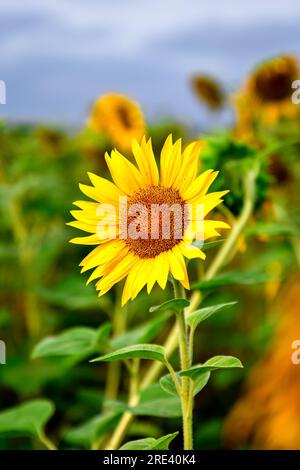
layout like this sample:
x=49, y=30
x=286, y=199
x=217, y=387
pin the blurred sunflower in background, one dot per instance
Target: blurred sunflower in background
x=146, y=260
x=267, y=416
x=266, y=95
x=119, y=118
x=209, y=91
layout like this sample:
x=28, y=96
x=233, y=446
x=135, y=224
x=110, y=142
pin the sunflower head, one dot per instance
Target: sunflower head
x=272, y=80
x=266, y=96
x=209, y=91
x=143, y=223
x=119, y=118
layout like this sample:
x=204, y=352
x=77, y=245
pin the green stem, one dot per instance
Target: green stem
x=26, y=260
x=170, y=344
x=119, y=434
x=174, y=377
x=46, y=441
x=187, y=411
x=191, y=344
x=114, y=368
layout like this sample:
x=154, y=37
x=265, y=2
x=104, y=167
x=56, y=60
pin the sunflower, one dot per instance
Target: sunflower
x=119, y=118
x=141, y=258
x=209, y=91
x=266, y=96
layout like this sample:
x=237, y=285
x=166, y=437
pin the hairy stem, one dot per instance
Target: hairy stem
x=170, y=344
x=187, y=412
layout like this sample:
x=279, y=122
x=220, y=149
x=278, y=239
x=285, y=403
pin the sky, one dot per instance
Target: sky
x=57, y=56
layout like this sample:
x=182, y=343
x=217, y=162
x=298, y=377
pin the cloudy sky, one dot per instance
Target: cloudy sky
x=58, y=55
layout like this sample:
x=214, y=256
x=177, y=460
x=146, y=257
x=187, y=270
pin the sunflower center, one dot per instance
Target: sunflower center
x=156, y=220
x=124, y=116
x=274, y=85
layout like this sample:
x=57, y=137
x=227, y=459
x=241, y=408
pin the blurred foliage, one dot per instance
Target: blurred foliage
x=52, y=323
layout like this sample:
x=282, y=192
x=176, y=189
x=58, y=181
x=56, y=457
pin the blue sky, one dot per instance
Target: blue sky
x=57, y=56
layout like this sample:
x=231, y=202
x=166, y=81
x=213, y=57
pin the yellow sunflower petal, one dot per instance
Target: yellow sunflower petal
x=85, y=216
x=175, y=166
x=125, y=175
x=115, y=273
x=145, y=160
x=90, y=192
x=176, y=264
x=203, y=205
x=166, y=160
x=192, y=252
x=90, y=228
x=87, y=206
x=108, y=191
x=211, y=226
x=199, y=186
x=189, y=166
x=90, y=240
x=185, y=281
x=154, y=267
x=163, y=271
x=140, y=279
x=103, y=254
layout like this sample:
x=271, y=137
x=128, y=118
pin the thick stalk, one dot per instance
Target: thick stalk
x=187, y=412
x=170, y=344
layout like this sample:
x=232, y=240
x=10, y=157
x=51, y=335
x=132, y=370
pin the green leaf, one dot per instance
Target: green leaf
x=73, y=342
x=139, y=444
x=163, y=442
x=195, y=318
x=28, y=381
x=167, y=383
x=149, y=443
x=173, y=305
x=156, y=402
x=214, y=363
x=89, y=432
x=142, y=334
x=247, y=278
x=72, y=294
x=153, y=402
x=141, y=351
x=27, y=419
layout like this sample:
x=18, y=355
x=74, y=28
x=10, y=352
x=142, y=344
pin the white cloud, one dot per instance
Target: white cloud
x=123, y=28
x=58, y=54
